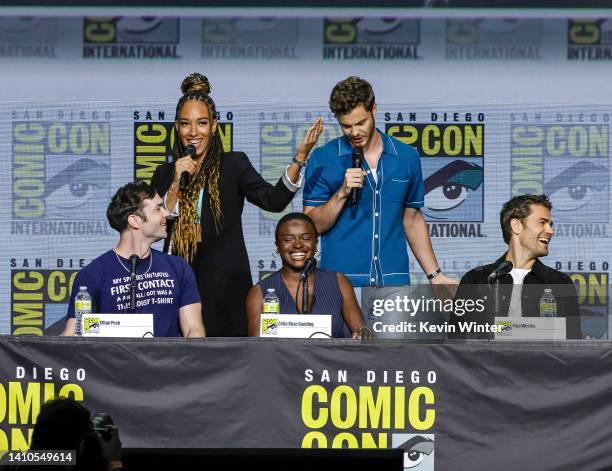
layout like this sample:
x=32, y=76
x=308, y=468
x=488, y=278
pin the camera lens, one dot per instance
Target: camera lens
x=101, y=423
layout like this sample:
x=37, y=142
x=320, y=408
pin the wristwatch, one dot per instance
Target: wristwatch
x=433, y=274
x=301, y=163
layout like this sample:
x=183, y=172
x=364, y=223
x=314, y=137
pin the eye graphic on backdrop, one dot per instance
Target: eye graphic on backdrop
x=500, y=25
x=20, y=24
x=258, y=25
x=450, y=186
x=416, y=449
x=76, y=185
x=576, y=186
x=412, y=458
x=139, y=25
x=379, y=25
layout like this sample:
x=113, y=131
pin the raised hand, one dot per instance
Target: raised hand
x=310, y=139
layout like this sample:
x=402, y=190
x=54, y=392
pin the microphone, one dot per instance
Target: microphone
x=191, y=151
x=310, y=265
x=503, y=268
x=134, y=259
x=357, y=158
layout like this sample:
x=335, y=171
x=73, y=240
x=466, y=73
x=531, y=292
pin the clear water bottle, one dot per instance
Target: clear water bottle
x=548, y=304
x=82, y=306
x=271, y=304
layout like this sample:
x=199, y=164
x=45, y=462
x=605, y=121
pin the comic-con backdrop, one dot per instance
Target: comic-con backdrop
x=495, y=107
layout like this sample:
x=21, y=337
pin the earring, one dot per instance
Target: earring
x=275, y=253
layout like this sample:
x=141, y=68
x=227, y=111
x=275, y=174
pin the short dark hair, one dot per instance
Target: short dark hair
x=519, y=207
x=61, y=425
x=127, y=201
x=349, y=93
x=292, y=217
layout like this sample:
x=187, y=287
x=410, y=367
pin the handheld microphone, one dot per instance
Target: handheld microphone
x=191, y=151
x=503, y=268
x=310, y=265
x=357, y=158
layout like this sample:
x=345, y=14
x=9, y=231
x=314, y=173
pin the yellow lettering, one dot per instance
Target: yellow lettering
x=18, y=441
x=367, y=441
x=307, y=406
x=100, y=29
x=312, y=440
x=71, y=389
x=414, y=408
x=343, y=439
x=20, y=281
x=372, y=410
x=151, y=134
x=21, y=409
x=56, y=286
x=431, y=139
x=584, y=32
x=474, y=141
x=346, y=394
x=340, y=31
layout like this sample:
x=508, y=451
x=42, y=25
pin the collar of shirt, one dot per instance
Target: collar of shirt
x=345, y=148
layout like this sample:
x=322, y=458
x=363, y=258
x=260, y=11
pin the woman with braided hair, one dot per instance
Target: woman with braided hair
x=206, y=211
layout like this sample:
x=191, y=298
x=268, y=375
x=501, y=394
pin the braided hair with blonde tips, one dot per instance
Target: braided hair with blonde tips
x=196, y=87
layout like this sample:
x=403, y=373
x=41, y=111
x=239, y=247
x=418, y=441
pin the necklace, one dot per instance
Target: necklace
x=127, y=269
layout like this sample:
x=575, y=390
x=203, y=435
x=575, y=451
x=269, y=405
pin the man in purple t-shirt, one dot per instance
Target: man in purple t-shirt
x=164, y=284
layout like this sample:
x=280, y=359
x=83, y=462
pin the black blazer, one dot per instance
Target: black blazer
x=221, y=263
x=238, y=180
x=474, y=285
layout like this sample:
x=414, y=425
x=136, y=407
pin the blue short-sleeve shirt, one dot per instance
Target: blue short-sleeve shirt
x=367, y=243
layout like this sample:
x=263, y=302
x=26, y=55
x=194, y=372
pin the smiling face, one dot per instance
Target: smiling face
x=153, y=219
x=358, y=126
x=297, y=241
x=534, y=232
x=195, y=126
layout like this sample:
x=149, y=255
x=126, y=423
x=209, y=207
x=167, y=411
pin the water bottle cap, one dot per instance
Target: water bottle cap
x=548, y=290
x=82, y=287
x=271, y=290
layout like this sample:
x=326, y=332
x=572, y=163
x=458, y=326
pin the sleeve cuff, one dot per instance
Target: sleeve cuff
x=175, y=212
x=293, y=187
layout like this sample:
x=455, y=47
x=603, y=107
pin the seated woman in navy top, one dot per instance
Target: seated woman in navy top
x=328, y=292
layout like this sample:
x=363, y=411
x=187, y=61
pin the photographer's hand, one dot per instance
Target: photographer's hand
x=111, y=449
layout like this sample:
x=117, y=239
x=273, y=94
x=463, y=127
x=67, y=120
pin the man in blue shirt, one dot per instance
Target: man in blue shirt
x=164, y=284
x=367, y=240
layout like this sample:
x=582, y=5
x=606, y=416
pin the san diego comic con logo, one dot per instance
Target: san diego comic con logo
x=372, y=409
x=279, y=135
x=25, y=390
x=493, y=39
x=371, y=38
x=40, y=296
x=131, y=37
x=269, y=326
x=593, y=294
x=153, y=140
x=569, y=162
x=452, y=149
x=589, y=40
x=280, y=132
x=28, y=37
x=250, y=38
x=60, y=173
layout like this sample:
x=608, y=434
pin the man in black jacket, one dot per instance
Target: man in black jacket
x=527, y=228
